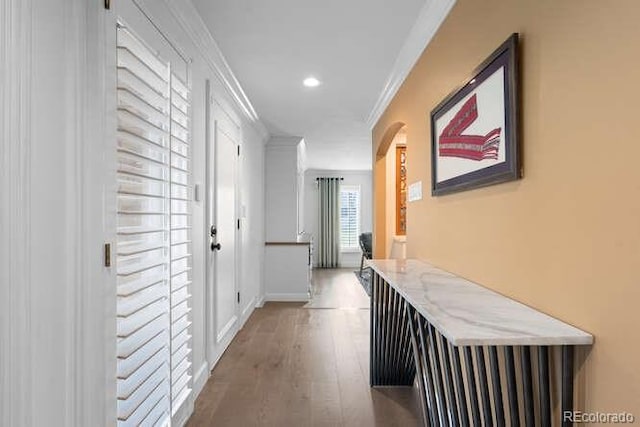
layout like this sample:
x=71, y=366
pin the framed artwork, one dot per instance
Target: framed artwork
x=401, y=190
x=474, y=130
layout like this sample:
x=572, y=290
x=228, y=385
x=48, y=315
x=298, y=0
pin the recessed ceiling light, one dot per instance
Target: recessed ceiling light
x=311, y=82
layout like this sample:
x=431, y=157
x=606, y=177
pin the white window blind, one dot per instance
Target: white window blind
x=349, y=216
x=153, y=253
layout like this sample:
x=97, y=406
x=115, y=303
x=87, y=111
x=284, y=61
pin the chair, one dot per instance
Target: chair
x=365, y=245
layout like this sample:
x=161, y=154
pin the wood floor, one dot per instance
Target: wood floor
x=293, y=365
x=337, y=288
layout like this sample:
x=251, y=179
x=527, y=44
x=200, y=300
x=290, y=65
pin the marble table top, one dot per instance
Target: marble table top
x=469, y=314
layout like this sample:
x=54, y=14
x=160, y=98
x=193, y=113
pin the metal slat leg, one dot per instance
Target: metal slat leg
x=462, y=399
x=471, y=380
x=527, y=386
x=567, y=383
x=437, y=376
x=434, y=413
x=496, y=385
x=543, y=381
x=451, y=394
x=512, y=388
x=420, y=368
x=484, y=387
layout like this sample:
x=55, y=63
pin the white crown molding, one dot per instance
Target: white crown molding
x=191, y=22
x=431, y=16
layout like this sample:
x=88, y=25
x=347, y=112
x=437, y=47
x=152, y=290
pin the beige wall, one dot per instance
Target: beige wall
x=566, y=238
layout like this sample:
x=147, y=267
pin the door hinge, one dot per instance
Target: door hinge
x=238, y=297
x=238, y=150
x=107, y=254
x=238, y=224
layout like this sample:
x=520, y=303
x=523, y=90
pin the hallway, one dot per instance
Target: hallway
x=292, y=365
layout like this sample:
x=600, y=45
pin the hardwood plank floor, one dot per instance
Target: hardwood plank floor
x=295, y=365
x=337, y=288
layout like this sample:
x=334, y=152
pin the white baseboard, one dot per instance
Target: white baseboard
x=200, y=379
x=260, y=302
x=183, y=414
x=301, y=297
x=248, y=309
x=230, y=324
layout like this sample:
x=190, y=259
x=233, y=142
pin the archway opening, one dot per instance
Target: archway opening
x=391, y=194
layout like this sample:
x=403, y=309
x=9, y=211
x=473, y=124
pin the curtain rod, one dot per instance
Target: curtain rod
x=331, y=177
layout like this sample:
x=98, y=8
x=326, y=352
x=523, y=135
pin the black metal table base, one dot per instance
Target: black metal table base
x=464, y=385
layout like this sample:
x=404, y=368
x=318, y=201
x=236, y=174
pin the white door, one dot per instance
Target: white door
x=223, y=195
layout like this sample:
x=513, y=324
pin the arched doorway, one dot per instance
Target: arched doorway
x=390, y=189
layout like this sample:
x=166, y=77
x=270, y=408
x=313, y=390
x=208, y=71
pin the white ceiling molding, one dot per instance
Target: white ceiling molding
x=188, y=17
x=429, y=20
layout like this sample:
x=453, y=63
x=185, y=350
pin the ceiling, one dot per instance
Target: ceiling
x=349, y=45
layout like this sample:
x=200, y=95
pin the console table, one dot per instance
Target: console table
x=433, y=326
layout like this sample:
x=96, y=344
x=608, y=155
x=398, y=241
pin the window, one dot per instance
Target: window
x=349, y=217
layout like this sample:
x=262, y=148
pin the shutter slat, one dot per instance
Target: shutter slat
x=180, y=309
x=127, y=366
x=137, y=407
x=130, y=304
x=157, y=397
x=126, y=326
x=180, y=339
x=158, y=415
x=129, y=345
x=180, y=370
x=126, y=386
x=179, y=354
x=180, y=384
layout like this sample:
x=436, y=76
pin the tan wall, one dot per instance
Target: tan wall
x=566, y=238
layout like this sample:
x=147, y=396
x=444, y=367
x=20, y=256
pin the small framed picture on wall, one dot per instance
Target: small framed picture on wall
x=474, y=130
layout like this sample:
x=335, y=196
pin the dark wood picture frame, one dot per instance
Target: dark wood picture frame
x=510, y=169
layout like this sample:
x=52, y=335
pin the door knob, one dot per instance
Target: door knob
x=215, y=246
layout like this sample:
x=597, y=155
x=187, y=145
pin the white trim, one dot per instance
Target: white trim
x=191, y=22
x=432, y=15
x=247, y=310
x=261, y=302
x=201, y=378
x=74, y=53
x=185, y=409
x=222, y=334
x=290, y=297
x=15, y=210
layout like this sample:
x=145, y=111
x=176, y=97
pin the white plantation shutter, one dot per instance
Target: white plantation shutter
x=153, y=253
x=349, y=216
x=180, y=243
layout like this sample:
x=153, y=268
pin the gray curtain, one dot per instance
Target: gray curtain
x=328, y=222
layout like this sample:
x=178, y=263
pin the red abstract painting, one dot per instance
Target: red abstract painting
x=452, y=143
